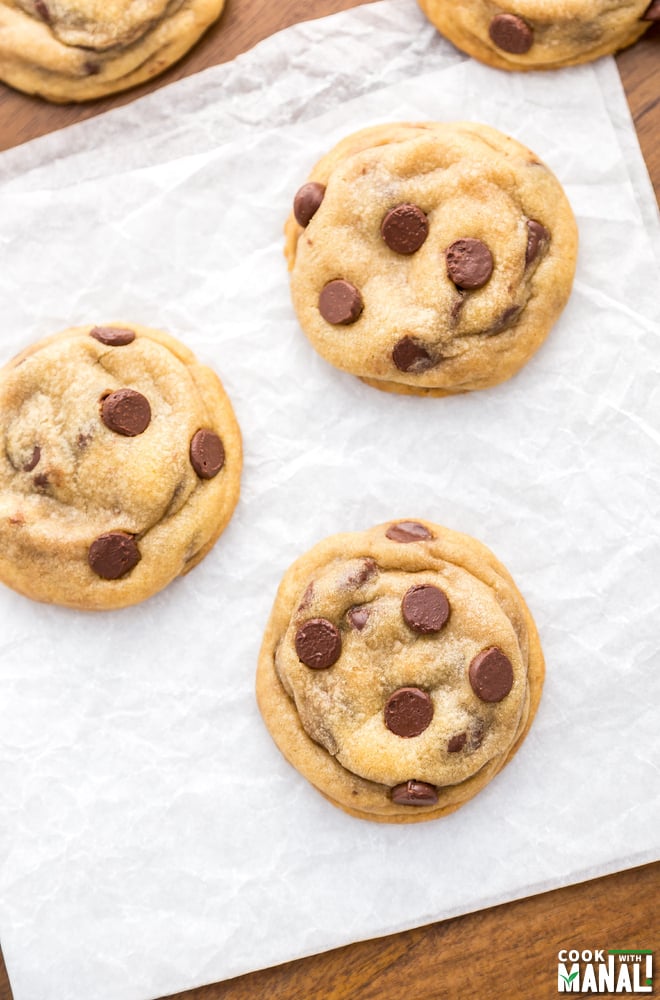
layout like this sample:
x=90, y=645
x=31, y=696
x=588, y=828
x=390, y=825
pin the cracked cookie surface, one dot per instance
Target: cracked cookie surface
x=430, y=258
x=78, y=50
x=541, y=34
x=400, y=670
x=120, y=465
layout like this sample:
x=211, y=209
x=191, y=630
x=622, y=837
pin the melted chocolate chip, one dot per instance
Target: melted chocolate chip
x=469, y=263
x=307, y=202
x=408, y=531
x=126, y=412
x=537, y=237
x=307, y=597
x=318, y=643
x=113, y=555
x=477, y=735
x=34, y=460
x=511, y=34
x=425, y=608
x=41, y=481
x=404, y=229
x=113, y=336
x=42, y=11
x=83, y=440
x=365, y=572
x=491, y=675
x=340, y=303
x=505, y=319
x=653, y=12
x=456, y=308
x=358, y=617
x=456, y=743
x=207, y=454
x=408, y=712
x=414, y=793
x=409, y=356
x=91, y=67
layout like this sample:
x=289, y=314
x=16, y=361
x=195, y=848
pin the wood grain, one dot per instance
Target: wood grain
x=507, y=952
x=640, y=72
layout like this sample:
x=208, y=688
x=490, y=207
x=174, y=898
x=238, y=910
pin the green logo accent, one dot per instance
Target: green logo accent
x=630, y=951
x=569, y=979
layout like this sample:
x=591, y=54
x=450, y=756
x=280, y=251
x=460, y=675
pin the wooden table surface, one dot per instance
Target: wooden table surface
x=508, y=952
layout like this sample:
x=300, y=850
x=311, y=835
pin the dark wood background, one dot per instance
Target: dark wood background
x=507, y=952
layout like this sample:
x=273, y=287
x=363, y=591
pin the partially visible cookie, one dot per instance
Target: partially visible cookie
x=430, y=258
x=120, y=465
x=400, y=670
x=541, y=34
x=77, y=50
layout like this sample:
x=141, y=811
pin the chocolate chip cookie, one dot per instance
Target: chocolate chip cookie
x=76, y=50
x=400, y=670
x=430, y=258
x=121, y=462
x=541, y=34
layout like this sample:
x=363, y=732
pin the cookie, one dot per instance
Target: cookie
x=430, y=258
x=540, y=34
x=400, y=670
x=77, y=50
x=120, y=465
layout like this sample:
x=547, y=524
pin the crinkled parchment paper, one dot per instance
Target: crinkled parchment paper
x=151, y=836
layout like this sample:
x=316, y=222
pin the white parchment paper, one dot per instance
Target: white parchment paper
x=151, y=836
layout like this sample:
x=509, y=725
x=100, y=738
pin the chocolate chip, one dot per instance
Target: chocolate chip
x=340, y=303
x=91, y=67
x=318, y=643
x=307, y=202
x=511, y=34
x=42, y=10
x=408, y=712
x=404, y=229
x=34, y=461
x=113, y=555
x=409, y=356
x=477, y=735
x=653, y=12
x=414, y=793
x=408, y=531
x=425, y=608
x=491, y=675
x=358, y=617
x=457, y=307
x=537, y=237
x=207, y=454
x=307, y=597
x=126, y=412
x=364, y=572
x=113, y=336
x=41, y=481
x=456, y=743
x=505, y=319
x=469, y=263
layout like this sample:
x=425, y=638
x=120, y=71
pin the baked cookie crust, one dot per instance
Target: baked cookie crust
x=399, y=707
x=540, y=34
x=79, y=50
x=120, y=465
x=430, y=258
